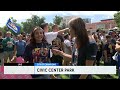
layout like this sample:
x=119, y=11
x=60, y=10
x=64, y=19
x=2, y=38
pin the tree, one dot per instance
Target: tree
x=57, y=20
x=21, y=28
x=37, y=20
x=117, y=18
x=50, y=26
x=30, y=23
x=14, y=20
x=2, y=29
x=63, y=26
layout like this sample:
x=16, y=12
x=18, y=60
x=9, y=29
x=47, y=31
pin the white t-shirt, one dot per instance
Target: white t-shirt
x=67, y=44
x=50, y=36
x=103, y=38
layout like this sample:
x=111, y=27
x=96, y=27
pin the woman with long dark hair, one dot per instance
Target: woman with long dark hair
x=36, y=47
x=38, y=50
x=83, y=51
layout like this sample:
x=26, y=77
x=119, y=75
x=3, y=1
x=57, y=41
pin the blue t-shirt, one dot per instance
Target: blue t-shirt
x=20, y=45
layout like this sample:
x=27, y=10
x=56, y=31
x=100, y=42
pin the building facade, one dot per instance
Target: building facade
x=106, y=24
x=87, y=20
x=66, y=19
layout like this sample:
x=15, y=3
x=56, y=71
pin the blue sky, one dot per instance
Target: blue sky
x=49, y=15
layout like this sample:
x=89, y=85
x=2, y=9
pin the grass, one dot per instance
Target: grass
x=113, y=76
x=64, y=76
x=95, y=77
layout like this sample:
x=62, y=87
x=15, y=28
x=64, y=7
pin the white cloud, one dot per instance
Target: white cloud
x=90, y=12
x=22, y=15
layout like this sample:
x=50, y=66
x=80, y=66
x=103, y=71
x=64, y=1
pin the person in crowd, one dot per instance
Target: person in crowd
x=8, y=45
x=91, y=37
x=38, y=50
x=20, y=46
x=50, y=36
x=100, y=49
x=57, y=43
x=108, y=50
x=24, y=35
x=102, y=36
x=84, y=51
x=117, y=56
x=113, y=42
x=15, y=38
x=67, y=44
x=28, y=39
x=1, y=49
x=67, y=48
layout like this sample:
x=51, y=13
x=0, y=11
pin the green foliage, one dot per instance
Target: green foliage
x=28, y=25
x=14, y=20
x=117, y=18
x=63, y=26
x=31, y=23
x=57, y=20
x=50, y=27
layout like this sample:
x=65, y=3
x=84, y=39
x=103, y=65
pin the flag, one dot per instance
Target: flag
x=13, y=26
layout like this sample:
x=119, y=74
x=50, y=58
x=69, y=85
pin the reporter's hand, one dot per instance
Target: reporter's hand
x=67, y=29
x=57, y=52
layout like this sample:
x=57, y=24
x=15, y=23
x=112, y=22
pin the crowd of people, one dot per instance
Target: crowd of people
x=72, y=46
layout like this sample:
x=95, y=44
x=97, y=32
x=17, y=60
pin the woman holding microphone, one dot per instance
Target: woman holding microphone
x=83, y=51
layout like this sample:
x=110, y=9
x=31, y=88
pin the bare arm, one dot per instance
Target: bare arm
x=65, y=56
x=62, y=31
x=105, y=54
x=15, y=51
x=88, y=63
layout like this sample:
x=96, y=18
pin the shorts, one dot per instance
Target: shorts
x=8, y=54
